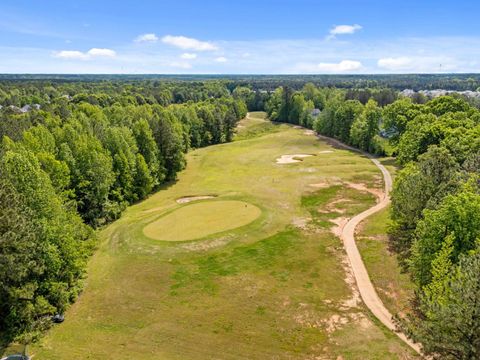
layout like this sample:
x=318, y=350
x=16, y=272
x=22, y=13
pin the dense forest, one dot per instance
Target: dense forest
x=457, y=82
x=72, y=162
x=76, y=151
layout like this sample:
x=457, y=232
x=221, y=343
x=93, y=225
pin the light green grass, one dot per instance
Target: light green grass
x=254, y=125
x=267, y=290
x=199, y=220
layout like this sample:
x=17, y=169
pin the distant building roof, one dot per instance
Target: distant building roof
x=26, y=108
x=29, y=107
x=316, y=112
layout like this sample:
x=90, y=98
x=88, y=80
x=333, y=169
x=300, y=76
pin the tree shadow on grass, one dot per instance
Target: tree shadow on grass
x=389, y=162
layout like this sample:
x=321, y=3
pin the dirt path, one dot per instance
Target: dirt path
x=365, y=286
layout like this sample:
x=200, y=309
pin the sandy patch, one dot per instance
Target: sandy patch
x=326, y=152
x=309, y=132
x=334, y=322
x=307, y=317
x=355, y=300
x=320, y=185
x=290, y=159
x=187, y=199
x=331, y=207
x=326, y=183
x=362, y=187
x=361, y=319
x=339, y=222
x=300, y=223
x=286, y=301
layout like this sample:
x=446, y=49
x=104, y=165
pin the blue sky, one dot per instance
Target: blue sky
x=254, y=37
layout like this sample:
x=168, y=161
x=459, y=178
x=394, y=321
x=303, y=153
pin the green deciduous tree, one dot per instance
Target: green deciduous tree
x=365, y=127
x=450, y=325
x=419, y=186
x=344, y=117
x=457, y=216
x=397, y=115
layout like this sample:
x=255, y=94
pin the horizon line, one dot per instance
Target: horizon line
x=245, y=74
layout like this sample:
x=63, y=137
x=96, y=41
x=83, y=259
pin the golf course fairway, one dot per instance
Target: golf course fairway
x=256, y=272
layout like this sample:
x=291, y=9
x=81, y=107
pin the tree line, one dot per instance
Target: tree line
x=75, y=164
x=334, y=112
x=436, y=220
x=456, y=82
x=435, y=199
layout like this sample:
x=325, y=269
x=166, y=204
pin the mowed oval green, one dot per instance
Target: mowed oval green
x=202, y=219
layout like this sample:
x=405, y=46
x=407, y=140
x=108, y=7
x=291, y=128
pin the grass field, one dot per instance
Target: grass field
x=202, y=219
x=269, y=282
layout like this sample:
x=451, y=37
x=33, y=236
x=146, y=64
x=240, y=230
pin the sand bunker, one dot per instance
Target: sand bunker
x=290, y=159
x=321, y=185
x=326, y=152
x=187, y=199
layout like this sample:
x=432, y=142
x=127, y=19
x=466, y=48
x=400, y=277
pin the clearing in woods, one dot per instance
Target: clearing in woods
x=264, y=280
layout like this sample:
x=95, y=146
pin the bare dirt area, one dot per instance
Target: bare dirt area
x=291, y=159
x=320, y=185
x=187, y=199
x=340, y=223
x=379, y=193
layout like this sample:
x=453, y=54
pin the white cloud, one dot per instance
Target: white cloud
x=186, y=43
x=78, y=55
x=101, y=52
x=397, y=63
x=221, y=59
x=280, y=56
x=70, y=54
x=146, y=38
x=342, y=66
x=343, y=30
x=188, y=56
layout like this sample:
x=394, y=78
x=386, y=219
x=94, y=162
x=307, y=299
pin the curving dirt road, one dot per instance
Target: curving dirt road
x=365, y=286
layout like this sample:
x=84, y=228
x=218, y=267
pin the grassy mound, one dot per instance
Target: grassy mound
x=202, y=219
